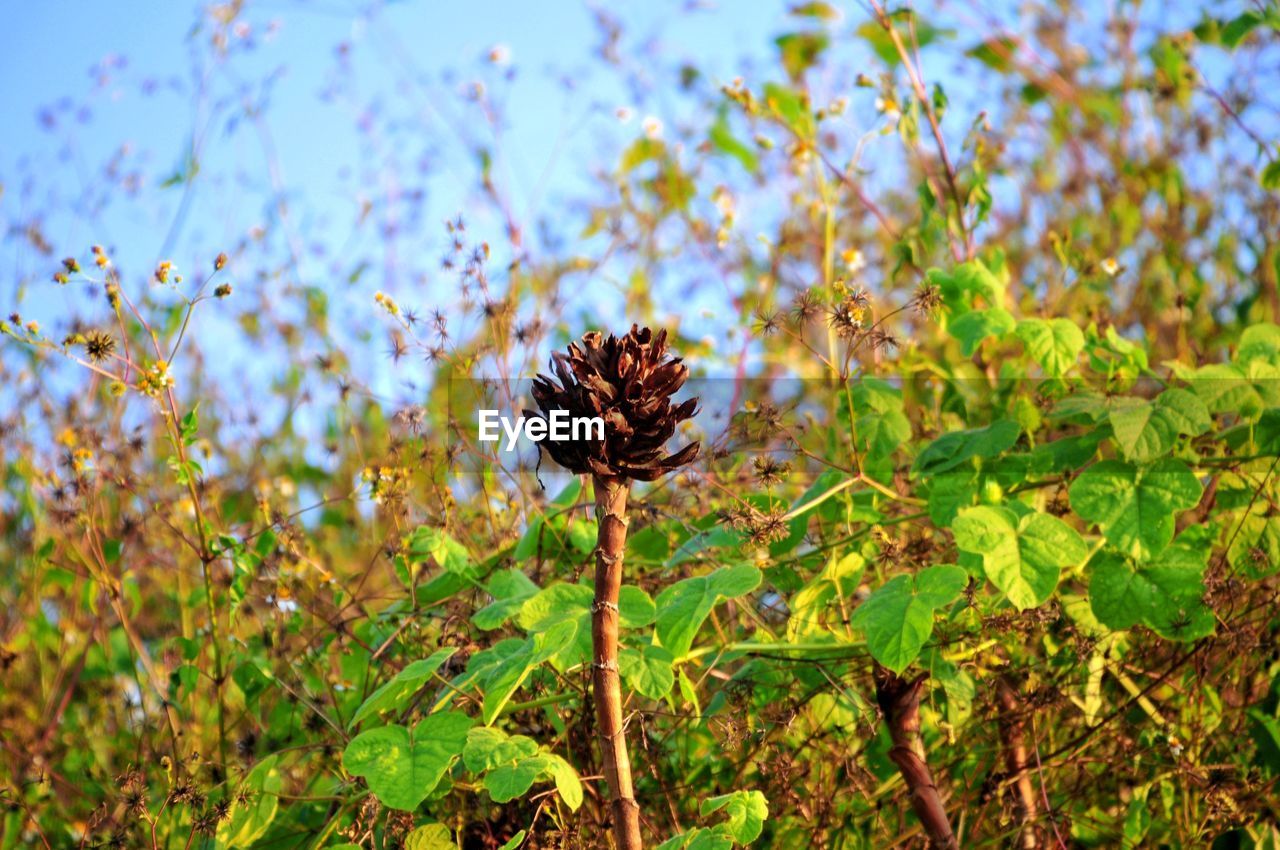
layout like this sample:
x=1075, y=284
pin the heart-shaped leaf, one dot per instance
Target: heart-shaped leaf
x=1053, y=343
x=683, y=606
x=898, y=616
x=402, y=767
x=746, y=810
x=1164, y=593
x=1135, y=506
x=1023, y=557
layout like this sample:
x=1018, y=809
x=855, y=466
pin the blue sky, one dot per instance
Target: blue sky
x=116, y=86
x=51, y=53
x=87, y=85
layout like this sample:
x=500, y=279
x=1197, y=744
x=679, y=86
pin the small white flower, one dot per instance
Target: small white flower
x=652, y=127
x=1110, y=266
x=888, y=108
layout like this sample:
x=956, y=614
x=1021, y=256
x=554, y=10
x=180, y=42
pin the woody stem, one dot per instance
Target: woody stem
x=611, y=510
x=899, y=701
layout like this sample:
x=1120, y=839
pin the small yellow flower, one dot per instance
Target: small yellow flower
x=81, y=459
x=156, y=379
x=67, y=437
x=387, y=303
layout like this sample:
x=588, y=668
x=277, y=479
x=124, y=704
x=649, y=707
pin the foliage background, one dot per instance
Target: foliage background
x=1100, y=220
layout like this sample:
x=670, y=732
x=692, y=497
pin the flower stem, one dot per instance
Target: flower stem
x=611, y=514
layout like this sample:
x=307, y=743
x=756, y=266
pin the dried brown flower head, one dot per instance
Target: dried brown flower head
x=928, y=299
x=806, y=307
x=770, y=470
x=99, y=346
x=628, y=382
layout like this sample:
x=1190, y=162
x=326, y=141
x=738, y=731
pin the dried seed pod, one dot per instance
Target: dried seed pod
x=627, y=381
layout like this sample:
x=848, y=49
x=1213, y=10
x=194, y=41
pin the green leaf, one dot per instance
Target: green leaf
x=1135, y=506
x=800, y=50
x=966, y=284
x=954, y=448
x=995, y=53
x=698, y=839
x=249, y=820
x=648, y=670
x=427, y=542
x=1239, y=27
x=507, y=675
x=1259, y=342
x=792, y=108
x=977, y=325
x=881, y=426
x=396, y=693
x=809, y=606
x=1146, y=430
x=403, y=767
x=898, y=617
x=723, y=140
x=683, y=606
x=1164, y=593
x=562, y=602
x=432, y=836
x=554, y=604
x=190, y=425
x=1053, y=343
x=746, y=811
x=1269, y=178
x=923, y=34
x=568, y=783
x=509, y=589
x=512, y=763
x=1228, y=388
x=642, y=150
x=1255, y=545
x=487, y=748
x=513, y=842
x=509, y=781
x=1022, y=557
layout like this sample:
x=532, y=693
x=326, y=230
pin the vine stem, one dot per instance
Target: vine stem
x=899, y=701
x=1016, y=762
x=611, y=514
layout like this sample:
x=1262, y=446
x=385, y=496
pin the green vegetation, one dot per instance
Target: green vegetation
x=981, y=549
